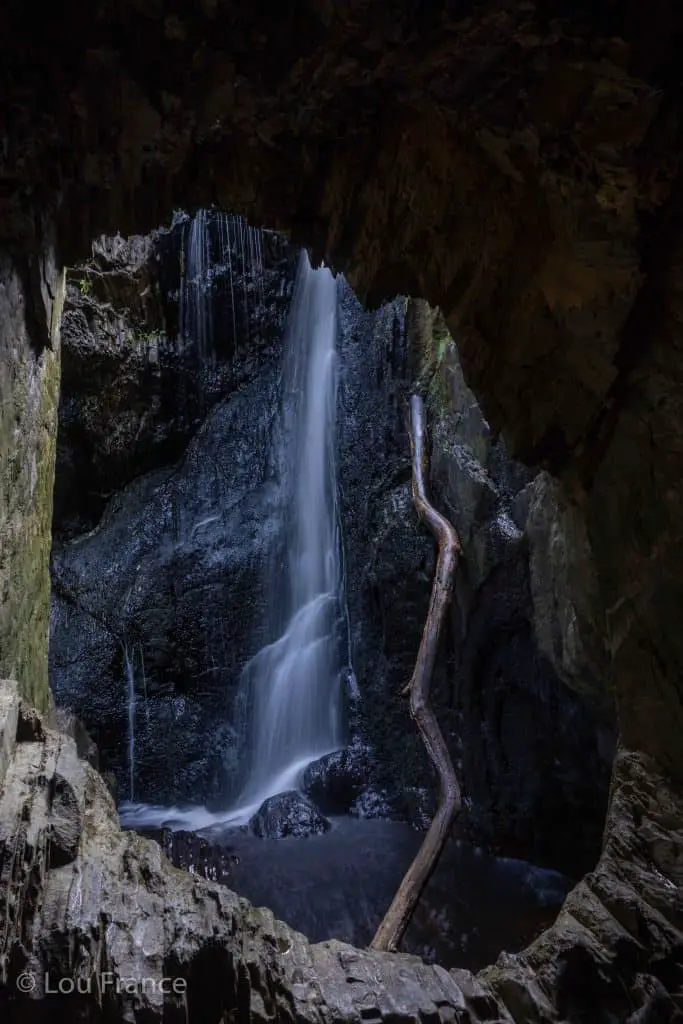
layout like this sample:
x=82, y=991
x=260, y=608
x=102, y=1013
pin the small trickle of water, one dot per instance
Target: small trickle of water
x=195, y=295
x=218, y=241
x=132, y=707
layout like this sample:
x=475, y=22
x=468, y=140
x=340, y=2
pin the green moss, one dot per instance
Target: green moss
x=28, y=435
x=431, y=345
x=139, y=334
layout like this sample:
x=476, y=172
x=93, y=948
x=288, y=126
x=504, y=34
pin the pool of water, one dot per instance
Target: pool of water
x=339, y=885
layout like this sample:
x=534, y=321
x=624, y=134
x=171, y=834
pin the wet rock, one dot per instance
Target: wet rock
x=528, y=753
x=335, y=782
x=172, y=582
x=531, y=752
x=389, y=559
x=135, y=387
x=167, y=589
x=371, y=804
x=288, y=814
x=195, y=854
x=157, y=550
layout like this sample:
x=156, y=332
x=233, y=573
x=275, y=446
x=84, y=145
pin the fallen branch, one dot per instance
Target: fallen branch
x=397, y=918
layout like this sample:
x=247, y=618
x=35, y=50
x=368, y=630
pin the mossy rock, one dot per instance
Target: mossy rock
x=28, y=433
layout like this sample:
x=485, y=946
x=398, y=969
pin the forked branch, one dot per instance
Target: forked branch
x=397, y=918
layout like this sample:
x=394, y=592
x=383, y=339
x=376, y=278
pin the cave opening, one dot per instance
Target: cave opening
x=167, y=492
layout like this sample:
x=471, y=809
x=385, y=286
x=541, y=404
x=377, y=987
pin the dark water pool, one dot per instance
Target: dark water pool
x=339, y=884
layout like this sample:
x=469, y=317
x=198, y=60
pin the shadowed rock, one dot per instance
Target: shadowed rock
x=195, y=854
x=336, y=781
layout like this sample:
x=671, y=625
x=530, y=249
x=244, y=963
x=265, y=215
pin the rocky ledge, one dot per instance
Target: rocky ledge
x=94, y=918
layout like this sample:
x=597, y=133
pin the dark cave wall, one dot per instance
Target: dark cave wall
x=532, y=755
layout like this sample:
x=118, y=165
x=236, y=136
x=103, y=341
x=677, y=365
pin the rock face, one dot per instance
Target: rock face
x=32, y=293
x=149, y=345
x=104, y=908
x=158, y=592
x=535, y=758
x=167, y=592
x=337, y=781
x=532, y=756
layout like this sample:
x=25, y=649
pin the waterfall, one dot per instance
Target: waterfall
x=290, y=690
x=131, y=700
x=293, y=682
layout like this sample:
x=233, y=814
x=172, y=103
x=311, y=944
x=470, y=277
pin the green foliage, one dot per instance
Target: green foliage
x=85, y=286
x=145, y=336
x=442, y=344
x=432, y=344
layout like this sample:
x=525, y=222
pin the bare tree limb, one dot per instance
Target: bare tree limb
x=397, y=918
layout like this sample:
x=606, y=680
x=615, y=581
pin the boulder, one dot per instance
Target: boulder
x=288, y=814
x=336, y=781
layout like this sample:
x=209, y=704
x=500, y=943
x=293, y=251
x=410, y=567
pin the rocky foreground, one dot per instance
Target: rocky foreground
x=94, y=919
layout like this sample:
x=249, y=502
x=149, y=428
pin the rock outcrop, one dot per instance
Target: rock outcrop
x=166, y=591
x=531, y=731
x=337, y=781
x=136, y=383
x=98, y=917
x=527, y=674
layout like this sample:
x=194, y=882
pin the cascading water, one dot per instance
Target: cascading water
x=293, y=682
x=291, y=688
